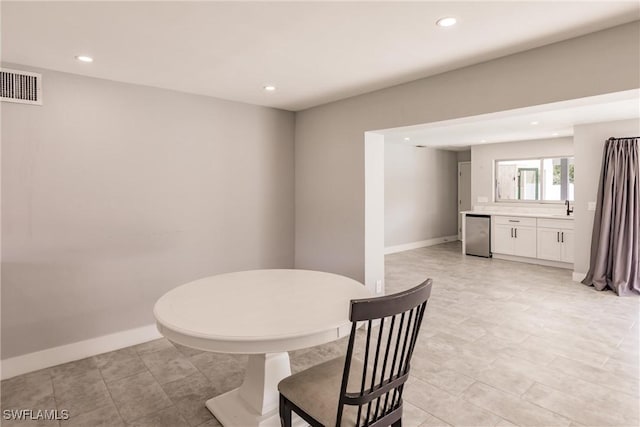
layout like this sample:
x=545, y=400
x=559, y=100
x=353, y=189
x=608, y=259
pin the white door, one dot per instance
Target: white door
x=549, y=245
x=464, y=192
x=567, y=245
x=525, y=241
x=502, y=239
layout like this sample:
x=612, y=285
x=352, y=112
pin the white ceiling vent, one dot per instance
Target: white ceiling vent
x=20, y=86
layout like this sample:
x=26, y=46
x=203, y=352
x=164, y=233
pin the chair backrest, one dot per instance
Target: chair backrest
x=393, y=324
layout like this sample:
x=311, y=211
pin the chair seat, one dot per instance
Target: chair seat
x=317, y=390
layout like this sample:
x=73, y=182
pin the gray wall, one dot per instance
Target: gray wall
x=420, y=194
x=329, y=152
x=113, y=194
x=464, y=156
x=589, y=142
x=485, y=155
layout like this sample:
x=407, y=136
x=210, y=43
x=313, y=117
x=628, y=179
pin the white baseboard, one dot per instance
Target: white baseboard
x=536, y=261
x=577, y=277
x=421, y=244
x=78, y=350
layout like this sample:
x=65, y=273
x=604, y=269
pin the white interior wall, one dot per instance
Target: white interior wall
x=113, y=193
x=375, y=211
x=420, y=194
x=464, y=156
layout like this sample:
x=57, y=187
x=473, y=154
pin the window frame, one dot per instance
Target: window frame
x=541, y=179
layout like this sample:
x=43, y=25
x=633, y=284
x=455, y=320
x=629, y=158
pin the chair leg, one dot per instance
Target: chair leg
x=285, y=412
x=397, y=423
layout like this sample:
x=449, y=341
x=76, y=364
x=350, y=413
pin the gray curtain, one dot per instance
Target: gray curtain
x=614, y=245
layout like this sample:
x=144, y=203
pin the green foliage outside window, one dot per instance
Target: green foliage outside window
x=556, y=174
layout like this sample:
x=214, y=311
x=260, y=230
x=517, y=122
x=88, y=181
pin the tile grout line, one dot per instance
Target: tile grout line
x=551, y=410
x=53, y=395
x=524, y=400
x=437, y=418
x=113, y=402
x=125, y=377
x=198, y=372
x=158, y=382
x=486, y=409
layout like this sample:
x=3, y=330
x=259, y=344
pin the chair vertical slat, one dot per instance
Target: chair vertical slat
x=406, y=339
x=364, y=370
x=414, y=339
x=375, y=365
x=395, y=356
x=384, y=364
x=386, y=395
x=402, y=354
x=347, y=369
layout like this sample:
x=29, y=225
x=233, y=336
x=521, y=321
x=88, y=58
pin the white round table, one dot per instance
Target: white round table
x=263, y=313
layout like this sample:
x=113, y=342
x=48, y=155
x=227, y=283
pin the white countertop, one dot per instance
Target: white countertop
x=520, y=214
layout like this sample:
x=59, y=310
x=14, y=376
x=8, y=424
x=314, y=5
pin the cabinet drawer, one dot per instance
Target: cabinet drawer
x=565, y=224
x=515, y=221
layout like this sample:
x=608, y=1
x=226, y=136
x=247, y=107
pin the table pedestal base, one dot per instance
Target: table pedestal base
x=255, y=403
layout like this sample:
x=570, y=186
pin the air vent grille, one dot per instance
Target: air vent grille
x=20, y=86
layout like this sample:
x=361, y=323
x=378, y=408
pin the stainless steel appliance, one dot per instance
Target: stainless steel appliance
x=477, y=235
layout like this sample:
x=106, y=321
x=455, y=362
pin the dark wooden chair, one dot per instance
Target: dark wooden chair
x=363, y=388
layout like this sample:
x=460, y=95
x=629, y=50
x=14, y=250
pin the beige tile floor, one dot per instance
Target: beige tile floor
x=502, y=344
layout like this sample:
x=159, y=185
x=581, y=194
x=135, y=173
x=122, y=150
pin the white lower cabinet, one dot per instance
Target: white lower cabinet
x=514, y=236
x=555, y=240
x=549, y=246
x=547, y=239
x=568, y=246
x=502, y=240
x=525, y=238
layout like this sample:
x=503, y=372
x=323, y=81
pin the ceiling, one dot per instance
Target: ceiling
x=313, y=52
x=546, y=121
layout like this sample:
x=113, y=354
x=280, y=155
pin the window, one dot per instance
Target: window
x=531, y=180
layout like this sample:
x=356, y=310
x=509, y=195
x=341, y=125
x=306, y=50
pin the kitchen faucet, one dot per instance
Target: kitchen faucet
x=569, y=211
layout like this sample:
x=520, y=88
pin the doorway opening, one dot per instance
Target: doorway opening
x=464, y=192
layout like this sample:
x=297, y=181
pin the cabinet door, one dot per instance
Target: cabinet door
x=549, y=245
x=502, y=239
x=567, y=245
x=525, y=241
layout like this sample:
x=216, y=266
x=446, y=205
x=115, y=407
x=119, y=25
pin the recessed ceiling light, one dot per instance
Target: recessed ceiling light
x=446, y=22
x=534, y=123
x=407, y=139
x=484, y=140
x=269, y=88
x=84, y=58
x=555, y=134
